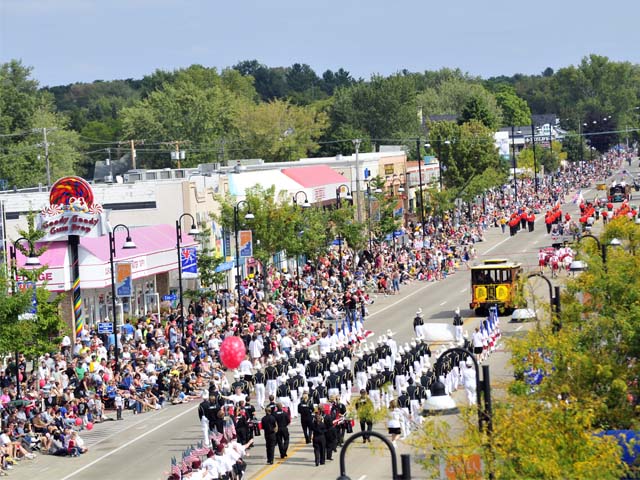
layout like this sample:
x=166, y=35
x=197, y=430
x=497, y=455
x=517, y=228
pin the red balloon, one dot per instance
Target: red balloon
x=89, y=426
x=232, y=352
x=78, y=422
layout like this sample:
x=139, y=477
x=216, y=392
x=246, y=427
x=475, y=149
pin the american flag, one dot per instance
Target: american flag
x=175, y=468
x=215, y=436
x=200, y=450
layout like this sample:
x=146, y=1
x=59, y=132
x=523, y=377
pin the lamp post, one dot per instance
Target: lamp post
x=236, y=227
x=304, y=205
x=31, y=262
x=369, y=195
x=192, y=231
x=535, y=163
x=514, y=163
x=420, y=180
x=405, y=458
x=554, y=296
x=128, y=244
x=348, y=196
x=602, y=246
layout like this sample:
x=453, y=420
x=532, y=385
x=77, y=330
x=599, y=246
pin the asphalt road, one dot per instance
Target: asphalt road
x=141, y=446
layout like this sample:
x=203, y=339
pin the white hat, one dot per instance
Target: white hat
x=390, y=333
x=291, y=372
x=469, y=362
x=333, y=368
x=236, y=374
x=419, y=312
x=257, y=366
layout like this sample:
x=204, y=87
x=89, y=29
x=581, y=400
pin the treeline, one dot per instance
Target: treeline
x=280, y=113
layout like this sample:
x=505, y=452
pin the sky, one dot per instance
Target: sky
x=68, y=41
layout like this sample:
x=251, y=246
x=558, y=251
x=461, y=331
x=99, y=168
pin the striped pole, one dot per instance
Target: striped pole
x=74, y=241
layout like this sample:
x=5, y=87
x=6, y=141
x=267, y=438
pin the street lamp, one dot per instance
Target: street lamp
x=348, y=196
x=369, y=214
x=554, y=300
x=31, y=262
x=482, y=386
x=602, y=246
x=405, y=458
x=303, y=205
x=236, y=227
x=128, y=244
x=192, y=231
x=514, y=162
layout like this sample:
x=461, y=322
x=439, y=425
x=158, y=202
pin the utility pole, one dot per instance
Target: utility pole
x=132, y=144
x=356, y=143
x=132, y=149
x=177, y=154
x=45, y=143
x=110, y=165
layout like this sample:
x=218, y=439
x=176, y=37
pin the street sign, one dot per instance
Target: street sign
x=169, y=298
x=105, y=327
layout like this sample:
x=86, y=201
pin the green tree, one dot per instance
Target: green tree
x=18, y=97
x=279, y=131
x=551, y=440
x=45, y=328
x=383, y=108
x=477, y=108
x=515, y=110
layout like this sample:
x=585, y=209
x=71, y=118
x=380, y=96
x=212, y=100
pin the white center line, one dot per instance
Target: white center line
x=362, y=477
x=463, y=290
x=443, y=303
x=518, y=329
x=125, y=445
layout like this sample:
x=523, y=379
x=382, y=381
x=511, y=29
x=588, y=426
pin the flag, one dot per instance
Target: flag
x=175, y=468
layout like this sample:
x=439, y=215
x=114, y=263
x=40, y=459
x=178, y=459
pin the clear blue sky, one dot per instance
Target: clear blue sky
x=84, y=40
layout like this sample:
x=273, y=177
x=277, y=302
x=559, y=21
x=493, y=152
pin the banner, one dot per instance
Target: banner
x=246, y=243
x=23, y=287
x=189, y=262
x=123, y=279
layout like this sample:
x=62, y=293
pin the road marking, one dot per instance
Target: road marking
x=400, y=301
x=133, y=440
x=496, y=245
x=260, y=474
x=443, y=303
x=518, y=329
x=362, y=477
x=463, y=290
x=525, y=250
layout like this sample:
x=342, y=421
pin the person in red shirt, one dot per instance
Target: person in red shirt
x=531, y=218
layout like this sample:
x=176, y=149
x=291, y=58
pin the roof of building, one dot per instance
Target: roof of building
x=314, y=176
x=239, y=183
x=154, y=238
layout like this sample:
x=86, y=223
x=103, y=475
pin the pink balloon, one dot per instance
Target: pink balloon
x=232, y=352
x=89, y=425
x=78, y=422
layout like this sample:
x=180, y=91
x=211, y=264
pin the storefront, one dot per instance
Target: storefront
x=154, y=267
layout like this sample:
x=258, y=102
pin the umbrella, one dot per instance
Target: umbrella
x=522, y=314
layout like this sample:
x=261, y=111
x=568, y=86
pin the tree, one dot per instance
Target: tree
x=470, y=151
x=478, y=109
x=383, y=108
x=551, y=440
x=575, y=147
x=44, y=330
x=279, y=131
x=515, y=110
x=25, y=160
x=199, y=107
x=18, y=97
